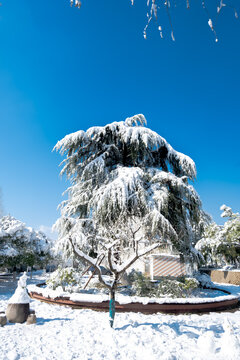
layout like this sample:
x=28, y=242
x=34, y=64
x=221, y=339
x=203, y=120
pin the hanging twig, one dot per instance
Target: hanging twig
x=210, y=23
x=169, y=18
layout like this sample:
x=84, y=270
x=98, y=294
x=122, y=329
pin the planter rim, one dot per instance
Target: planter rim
x=151, y=307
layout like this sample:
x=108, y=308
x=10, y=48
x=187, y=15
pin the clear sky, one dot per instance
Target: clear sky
x=64, y=69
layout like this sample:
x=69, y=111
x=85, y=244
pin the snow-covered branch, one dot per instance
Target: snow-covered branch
x=167, y=7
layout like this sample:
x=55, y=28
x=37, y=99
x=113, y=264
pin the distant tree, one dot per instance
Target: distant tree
x=21, y=245
x=129, y=194
x=156, y=7
x=221, y=243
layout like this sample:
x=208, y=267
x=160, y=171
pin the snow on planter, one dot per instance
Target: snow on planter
x=18, y=305
x=124, y=299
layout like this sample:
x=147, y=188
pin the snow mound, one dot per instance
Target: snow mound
x=20, y=296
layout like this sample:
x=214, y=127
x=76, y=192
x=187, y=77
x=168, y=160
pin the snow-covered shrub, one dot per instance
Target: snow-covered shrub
x=21, y=245
x=176, y=288
x=95, y=284
x=190, y=284
x=221, y=244
x=140, y=285
x=204, y=280
x=68, y=278
x=170, y=288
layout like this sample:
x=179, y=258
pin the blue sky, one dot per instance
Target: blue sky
x=64, y=69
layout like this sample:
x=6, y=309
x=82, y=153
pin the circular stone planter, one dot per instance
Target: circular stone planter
x=17, y=313
x=226, y=302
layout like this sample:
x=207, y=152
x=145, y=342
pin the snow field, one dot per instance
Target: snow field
x=62, y=333
x=65, y=333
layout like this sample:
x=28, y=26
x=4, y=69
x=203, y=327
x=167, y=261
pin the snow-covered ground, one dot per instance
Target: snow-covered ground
x=63, y=333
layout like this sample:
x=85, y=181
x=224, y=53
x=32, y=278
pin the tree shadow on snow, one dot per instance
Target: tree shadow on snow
x=42, y=321
x=156, y=326
x=179, y=328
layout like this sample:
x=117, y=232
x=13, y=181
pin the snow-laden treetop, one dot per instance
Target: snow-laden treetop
x=132, y=144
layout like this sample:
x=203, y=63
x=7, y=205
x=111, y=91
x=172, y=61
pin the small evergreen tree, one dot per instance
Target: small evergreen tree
x=221, y=244
x=129, y=194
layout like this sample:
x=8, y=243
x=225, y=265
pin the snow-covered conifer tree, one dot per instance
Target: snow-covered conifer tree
x=129, y=194
x=21, y=245
x=221, y=243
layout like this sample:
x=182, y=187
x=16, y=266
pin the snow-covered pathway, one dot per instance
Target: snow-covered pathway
x=62, y=333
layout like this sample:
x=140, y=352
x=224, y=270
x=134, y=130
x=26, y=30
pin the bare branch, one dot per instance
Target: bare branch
x=110, y=261
x=132, y=259
x=94, y=272
x=91, y=262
